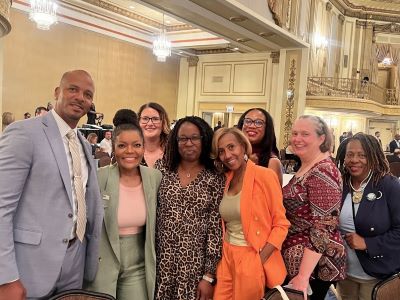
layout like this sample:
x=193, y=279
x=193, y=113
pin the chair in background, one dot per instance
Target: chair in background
x=395, y=168
x=388, y=289
x=103, y=159
x=81, y=295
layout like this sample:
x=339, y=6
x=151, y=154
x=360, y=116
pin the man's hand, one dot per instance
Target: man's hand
x=12, y=291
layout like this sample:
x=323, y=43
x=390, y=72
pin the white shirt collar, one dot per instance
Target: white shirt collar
x=62, y=125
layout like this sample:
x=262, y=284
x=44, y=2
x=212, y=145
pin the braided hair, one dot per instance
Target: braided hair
x=172, y=156
x=376, y=160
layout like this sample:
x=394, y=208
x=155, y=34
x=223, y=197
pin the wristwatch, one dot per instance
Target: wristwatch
x=210, y=280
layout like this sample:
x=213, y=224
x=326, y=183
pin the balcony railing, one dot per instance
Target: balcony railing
x=351, y=88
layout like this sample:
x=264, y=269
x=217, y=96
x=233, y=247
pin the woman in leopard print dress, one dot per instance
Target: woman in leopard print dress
x=188, y=234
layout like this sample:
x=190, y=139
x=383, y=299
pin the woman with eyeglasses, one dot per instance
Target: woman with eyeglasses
x=369, y=219
x=153, y=120
x=258, y=126
x=188, y=231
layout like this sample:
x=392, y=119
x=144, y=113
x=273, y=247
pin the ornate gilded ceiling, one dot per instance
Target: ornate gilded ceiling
x=380, y=10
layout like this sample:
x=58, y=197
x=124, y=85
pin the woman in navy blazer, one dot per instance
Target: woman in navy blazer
x=370, y=218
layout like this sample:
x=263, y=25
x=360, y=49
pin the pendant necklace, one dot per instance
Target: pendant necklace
x=358, y=193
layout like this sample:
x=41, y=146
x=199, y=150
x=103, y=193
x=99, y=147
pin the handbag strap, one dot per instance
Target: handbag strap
x=282, y=291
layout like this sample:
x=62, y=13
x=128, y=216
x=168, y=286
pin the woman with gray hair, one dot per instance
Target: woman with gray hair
x=313, y=250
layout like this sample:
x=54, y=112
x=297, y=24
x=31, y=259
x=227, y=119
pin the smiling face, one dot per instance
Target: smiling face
x=231, y=152
x=253, y=132
x=74, y=97
x=356, y=161
x=128, y=149
x=304, y=140
x=189, y=142
x=150, y=122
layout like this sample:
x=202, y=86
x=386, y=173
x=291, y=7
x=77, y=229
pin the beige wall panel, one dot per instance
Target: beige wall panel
x=249, y=78
x=216, y=79
x=125, y=75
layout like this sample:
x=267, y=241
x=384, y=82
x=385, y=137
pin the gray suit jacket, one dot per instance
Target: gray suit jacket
x=109, y=246
x=36, y=205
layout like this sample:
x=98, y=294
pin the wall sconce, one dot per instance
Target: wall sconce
x=290, y=95
x=320, y=42
x=387, y=61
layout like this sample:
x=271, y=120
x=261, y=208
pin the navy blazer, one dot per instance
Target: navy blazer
x=378, y=222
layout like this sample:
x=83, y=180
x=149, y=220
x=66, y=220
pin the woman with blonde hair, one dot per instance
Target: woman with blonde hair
x=7, y=119
x=313, y=250
x=254, y=219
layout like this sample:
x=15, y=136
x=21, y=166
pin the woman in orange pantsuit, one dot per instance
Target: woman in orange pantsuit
x=254, y=221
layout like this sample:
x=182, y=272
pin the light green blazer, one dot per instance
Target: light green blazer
x=109, y=258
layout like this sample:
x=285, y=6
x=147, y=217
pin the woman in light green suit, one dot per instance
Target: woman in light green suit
x=129, y=191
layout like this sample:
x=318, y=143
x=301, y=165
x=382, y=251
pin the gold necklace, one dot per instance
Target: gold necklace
x=358, y=194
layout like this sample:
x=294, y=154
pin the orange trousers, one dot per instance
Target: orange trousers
x=240, y=274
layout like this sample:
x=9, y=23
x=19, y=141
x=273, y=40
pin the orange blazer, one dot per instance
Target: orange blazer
x=263, y=217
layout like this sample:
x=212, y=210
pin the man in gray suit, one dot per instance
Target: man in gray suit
x=50, y=206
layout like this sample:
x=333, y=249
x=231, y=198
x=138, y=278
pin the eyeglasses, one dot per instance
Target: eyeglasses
x=145, y=120
x=257, y=123
x=194, y=139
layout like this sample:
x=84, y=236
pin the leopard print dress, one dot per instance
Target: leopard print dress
x=188, y=233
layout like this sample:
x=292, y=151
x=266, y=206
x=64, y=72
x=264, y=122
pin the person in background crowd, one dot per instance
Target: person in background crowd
x=255, y=222
x=153, y=120
x=313, y=250
x=50, y=206
x=395, y=143
x=106, y=143
x=369, y=219
x=92, y=139
x=127, y=268
x=189, y=233
x=49, y=106
x=395, y=157
x=92, y=115
x=40, y=111
x=7, y=119
x=333, y=147
x=27, y=115
x=258, y=127
x=219, y=125
x=378, y=137
x=343, y=136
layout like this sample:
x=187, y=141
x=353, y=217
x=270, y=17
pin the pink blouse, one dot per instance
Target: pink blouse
x=131, y=210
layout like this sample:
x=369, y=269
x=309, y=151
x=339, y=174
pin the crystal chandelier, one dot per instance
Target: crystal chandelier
x=44, y=13
x=162, y=46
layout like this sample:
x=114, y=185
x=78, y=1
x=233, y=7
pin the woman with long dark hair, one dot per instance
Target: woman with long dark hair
x=258, y=127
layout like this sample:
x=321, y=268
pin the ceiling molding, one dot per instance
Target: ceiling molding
x=111, y=7
x=349, y=9
x=5, y=26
